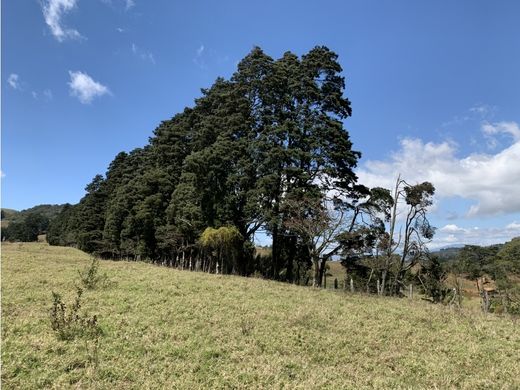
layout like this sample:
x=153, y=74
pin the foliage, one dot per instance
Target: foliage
x=432, y=279
x=47, y=210
x=477, y=261
x=26, y=228
x=223, y=244
x=413, y=235
x=507, y=276
x=500, y=263
x=377, y=252
x=27, y=224
x=70, y=323
x=90, y=277
x=249, y=147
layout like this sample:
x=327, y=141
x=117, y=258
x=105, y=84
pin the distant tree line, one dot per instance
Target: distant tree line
x=497, y=263
x=266, y=150
x=27, y=225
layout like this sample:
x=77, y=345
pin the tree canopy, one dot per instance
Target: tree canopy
x=261, y=151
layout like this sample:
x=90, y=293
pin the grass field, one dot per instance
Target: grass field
x=164, y=328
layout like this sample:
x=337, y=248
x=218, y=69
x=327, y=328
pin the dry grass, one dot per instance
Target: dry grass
x=165, y=328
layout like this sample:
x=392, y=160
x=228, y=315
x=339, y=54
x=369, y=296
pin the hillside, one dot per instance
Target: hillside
x=47, y=210
x=447, y=253
x=30, y=224
x=165, y=328
x=9, y=213
x=7, y=216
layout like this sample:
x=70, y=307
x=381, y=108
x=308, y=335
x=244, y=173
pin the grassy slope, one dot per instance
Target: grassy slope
x=178, y=329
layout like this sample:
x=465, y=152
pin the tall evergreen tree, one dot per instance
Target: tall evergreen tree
x=271, y=133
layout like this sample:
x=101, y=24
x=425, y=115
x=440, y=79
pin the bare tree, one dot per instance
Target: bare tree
x=330, y=224
x=317, y=224
x=410, y=243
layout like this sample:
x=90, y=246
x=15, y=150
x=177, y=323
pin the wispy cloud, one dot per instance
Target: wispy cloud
x=484, y=110
x=2, y=174
x=491, y=181
x=48, y=94
x=199, y=57
x=85, y=88
x=129, y=4
x=143, y=54
x=476, y=113
x=493, y=131
x=13, y=81
x=53, y=11
x=509, y=128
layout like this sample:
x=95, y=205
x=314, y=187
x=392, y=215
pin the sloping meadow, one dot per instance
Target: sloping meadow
x=165, y=328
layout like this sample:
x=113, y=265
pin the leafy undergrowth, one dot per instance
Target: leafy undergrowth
x=163, y=328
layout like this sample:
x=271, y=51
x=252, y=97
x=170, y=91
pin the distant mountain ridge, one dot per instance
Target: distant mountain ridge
x=49, y=211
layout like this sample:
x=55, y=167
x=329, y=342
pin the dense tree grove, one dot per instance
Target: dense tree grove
x=265, y=150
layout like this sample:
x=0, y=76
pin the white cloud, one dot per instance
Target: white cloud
x=2, y=174
x=452, y=235
x=85, y=88
x=119, y=29
x=510, y=128
x=451, y=228
x=513, y=226
x=53, y=11
x=13, y=81
x=144, y=55
x=34, y=94
x=129, y=4
x=490, y=180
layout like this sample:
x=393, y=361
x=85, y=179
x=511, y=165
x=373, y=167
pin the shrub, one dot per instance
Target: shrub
x=69, y=323
x=90, y=277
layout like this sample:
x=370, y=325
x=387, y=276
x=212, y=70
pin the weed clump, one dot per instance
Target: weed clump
x=70, y=323
x=90, y=277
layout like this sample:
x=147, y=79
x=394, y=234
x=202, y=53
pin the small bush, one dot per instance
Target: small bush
x=90, y=277
x=69, y=323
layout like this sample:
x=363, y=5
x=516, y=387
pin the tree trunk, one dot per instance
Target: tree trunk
x=322, y=263
x=275, y=251
x=290, y=260
x=316, y=281
x=383, y=277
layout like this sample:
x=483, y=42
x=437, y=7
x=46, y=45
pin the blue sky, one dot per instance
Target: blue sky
x=434, y=85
